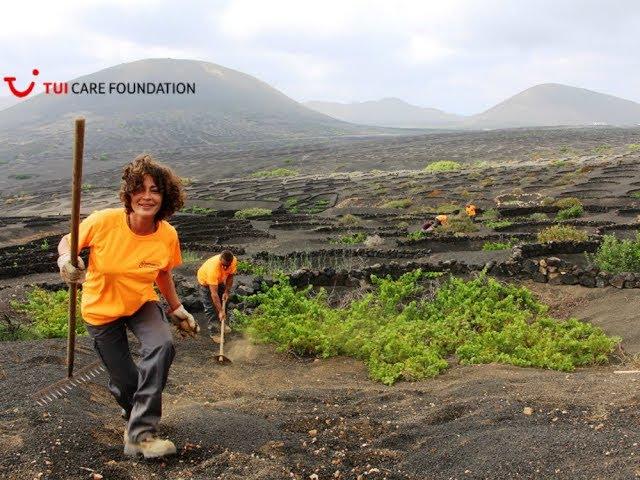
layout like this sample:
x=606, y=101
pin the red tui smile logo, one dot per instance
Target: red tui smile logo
x=21, y=93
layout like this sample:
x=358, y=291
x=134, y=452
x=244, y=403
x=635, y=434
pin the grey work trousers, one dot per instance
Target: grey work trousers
x=210, y=311
x=137, y=389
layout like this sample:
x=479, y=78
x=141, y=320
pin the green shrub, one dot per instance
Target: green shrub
x=458, y=224
x=252, y=213
x=349, y=219
x=498, y=224
x=447, y=208
x=49, y=313
x=602, y=149
x=402, y=333
x=443, y=166
x=562, y=233
x=568, y=202
x=319, y=206
x=189, y=256
x=571, y=212
x=538, y=217
x=417, y=235
x=634, y=147
x=401, y=203
x=10, y=331
x=245, y=266
x=351, y=239
x=198, y=210
x=490, y=214
x=275, y=172
x=617, y=256
x=21, y=176
x=490, y=246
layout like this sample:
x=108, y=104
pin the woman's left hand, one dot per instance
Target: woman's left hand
x=184, y=322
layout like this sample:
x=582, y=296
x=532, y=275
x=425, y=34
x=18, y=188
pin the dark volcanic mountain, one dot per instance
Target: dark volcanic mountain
x=229, y=107
x=388, y=112
x=554, y=104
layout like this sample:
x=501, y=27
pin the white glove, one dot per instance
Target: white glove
x=68, y=272
x=184, y=322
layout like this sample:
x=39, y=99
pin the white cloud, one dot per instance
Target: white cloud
x=424, y=49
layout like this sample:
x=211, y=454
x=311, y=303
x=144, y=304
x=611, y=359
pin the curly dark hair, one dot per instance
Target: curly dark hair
x=168, y=183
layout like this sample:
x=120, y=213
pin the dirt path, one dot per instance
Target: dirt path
x=274, y=416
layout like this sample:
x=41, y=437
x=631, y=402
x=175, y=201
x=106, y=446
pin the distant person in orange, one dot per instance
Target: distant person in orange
x=471, y=210
x=215, y=277
x=131, y=249
x=430, y=225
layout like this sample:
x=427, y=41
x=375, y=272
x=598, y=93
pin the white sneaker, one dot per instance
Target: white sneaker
x=149, y=447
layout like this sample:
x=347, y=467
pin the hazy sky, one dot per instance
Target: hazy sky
x=462, y=56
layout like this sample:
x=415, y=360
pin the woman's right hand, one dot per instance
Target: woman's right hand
x=68, y=272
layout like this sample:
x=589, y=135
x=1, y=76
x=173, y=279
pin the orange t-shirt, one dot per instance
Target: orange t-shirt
x=212, y=273
x=123, y=266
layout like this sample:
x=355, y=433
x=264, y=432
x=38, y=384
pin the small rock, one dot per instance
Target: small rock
x=96, y=476
x=527, y=411
x=313, y=433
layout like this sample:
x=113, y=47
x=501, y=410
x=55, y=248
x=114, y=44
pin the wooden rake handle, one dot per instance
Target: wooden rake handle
x=76, y=188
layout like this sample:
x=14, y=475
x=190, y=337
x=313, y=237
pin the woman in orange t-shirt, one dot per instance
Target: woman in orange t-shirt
x=132, y=249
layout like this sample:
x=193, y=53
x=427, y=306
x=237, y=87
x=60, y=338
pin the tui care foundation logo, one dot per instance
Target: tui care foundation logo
x=100, y=88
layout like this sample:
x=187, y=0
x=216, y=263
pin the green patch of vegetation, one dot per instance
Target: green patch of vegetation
x=572, y=212
x=480, y=165
x=565, y=150
x=443, y=166
x=538, y=217
x=401, y=203
x=636, y=194
x=275, y=172
x=104, y=157
x=401, y=333
x=189, y=256
x=349, y=219
x=487, y=182
x=458, y=224
x=198, y=210
x=559, y=163
x=617, y=256
x=49, y=314
x=497, y=224
x=351, y=239
x=602, y=149
x=490, y=214
x=22, y=176
x=252, y=213
x=44, y=246
x=562, y=233
x=567, y=179
x=634, y=147
x=250, y=268
x=318, y=207
x=417, y=235
x=10, y=331
x=447, y=208
x=491, y=246
x=86, y=187
x=186, y=181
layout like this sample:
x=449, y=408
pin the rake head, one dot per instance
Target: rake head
x=62, y=387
